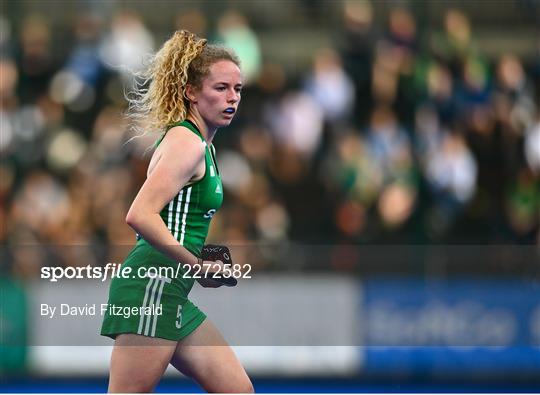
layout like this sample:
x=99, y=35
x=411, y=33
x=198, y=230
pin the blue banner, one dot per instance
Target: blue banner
x=471, y=327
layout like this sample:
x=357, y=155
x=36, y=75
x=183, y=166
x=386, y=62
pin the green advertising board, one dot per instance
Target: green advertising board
x=13, y=328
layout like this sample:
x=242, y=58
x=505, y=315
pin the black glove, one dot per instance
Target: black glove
x=212, y=252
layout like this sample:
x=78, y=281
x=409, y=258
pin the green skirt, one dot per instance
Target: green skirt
x=152, y=300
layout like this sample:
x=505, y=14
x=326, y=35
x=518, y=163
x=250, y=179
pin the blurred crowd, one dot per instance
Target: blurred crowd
x=388, y=137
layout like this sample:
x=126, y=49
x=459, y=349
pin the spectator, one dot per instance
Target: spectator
x=331, y=87
x=389, y=145
x=35, y=60
x=235, y=33
x=451, y=175
x=126, y=45
x=532, y=147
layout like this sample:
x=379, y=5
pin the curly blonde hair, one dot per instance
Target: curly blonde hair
x=158, y=98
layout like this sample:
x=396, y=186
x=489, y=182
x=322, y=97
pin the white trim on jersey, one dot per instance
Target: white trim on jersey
x=186, y=209
x=212, y=155
x=178, y=211
x=169, y=219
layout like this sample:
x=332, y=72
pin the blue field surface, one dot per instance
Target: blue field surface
x=274, y=385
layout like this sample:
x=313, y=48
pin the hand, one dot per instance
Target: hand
x=218, y=255
x=212, y=252
x=208, y=282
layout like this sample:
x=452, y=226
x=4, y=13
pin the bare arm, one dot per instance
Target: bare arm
x=181, y=153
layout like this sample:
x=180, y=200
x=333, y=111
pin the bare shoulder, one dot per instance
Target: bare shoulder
x=180, y=149
x=180, y=139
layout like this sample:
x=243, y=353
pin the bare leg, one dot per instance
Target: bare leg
x=206, y=357
x=138, y=362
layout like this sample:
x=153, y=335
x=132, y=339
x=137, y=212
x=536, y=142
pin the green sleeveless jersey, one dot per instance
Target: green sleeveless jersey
x=188, y=217
x=188, y=214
